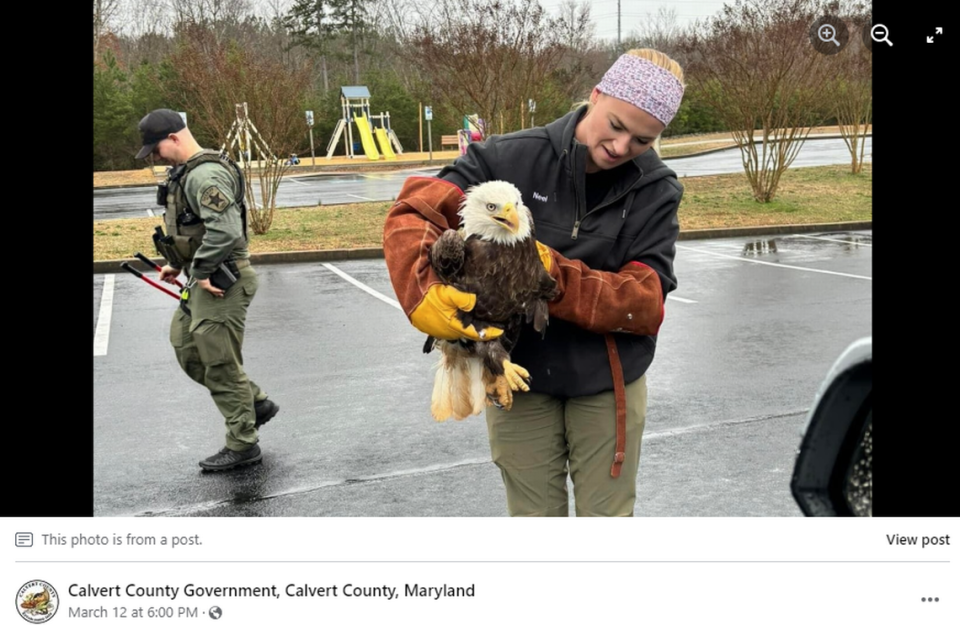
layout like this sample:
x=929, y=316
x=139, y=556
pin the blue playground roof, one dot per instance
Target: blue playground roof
x=354, y=92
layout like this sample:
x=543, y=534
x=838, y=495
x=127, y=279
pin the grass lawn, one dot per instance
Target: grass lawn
x=806, y=195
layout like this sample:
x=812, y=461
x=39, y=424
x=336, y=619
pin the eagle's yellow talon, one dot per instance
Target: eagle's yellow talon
x=516, y=376
x=504, y=393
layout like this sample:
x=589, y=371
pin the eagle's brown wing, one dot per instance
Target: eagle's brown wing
x=446, y=259
x=447, y=255
x=507, y=279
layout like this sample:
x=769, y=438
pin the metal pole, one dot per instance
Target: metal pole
x=313, y=156
x=420, y=119
x=430, y=140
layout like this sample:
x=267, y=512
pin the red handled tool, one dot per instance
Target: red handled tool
x=153, y=283
x=155, y=266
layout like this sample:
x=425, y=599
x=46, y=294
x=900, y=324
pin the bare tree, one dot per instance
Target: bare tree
x=245, y=144
x=395, y=17
x=852, y=95
x=105, y=13
x=583, y=61
x=660, y=31
x=219, y=17
x=208, y=12
x=489, y=58
x=755, y=65
x=851, y=87
x=212, y=78
x=147, y=33
x=576, y=27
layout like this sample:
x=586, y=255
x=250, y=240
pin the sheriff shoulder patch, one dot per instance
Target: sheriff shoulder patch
x=213, y=199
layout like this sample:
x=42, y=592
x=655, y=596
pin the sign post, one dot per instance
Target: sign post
x=428, y=115
x=313, y=156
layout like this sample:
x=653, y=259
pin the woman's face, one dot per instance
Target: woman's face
x=615, y=131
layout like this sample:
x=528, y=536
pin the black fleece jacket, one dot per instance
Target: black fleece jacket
x=635, y=222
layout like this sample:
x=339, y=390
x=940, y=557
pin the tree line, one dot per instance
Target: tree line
x=750, y=69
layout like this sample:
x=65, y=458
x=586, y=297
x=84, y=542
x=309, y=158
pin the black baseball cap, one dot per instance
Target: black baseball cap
x=156, y=126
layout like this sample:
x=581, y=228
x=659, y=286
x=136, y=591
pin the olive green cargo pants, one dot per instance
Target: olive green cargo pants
x=542, y=437
x=208, y=345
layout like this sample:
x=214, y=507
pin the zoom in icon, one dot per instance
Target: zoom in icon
x=829, y=35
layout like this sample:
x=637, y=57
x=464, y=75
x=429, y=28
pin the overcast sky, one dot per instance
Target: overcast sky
x=632, y=12
x=603, y=12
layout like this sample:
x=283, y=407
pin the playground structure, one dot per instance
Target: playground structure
x=355, y=104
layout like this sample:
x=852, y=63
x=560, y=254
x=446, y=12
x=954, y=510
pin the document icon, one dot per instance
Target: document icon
x=24, y=539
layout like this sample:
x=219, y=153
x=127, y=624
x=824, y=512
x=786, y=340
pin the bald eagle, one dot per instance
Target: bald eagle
x=494, y=255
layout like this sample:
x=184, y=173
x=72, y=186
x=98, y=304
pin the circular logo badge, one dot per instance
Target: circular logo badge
x=37, y=601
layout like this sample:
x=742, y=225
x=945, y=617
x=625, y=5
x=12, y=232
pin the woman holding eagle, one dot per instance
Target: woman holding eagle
x=605, y=212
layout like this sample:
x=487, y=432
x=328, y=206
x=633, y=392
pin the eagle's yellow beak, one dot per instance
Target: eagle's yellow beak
x=508, y=217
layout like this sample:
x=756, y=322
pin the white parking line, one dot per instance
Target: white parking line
x=363, y=286
x=778, y=265
x=728, y=246
x=365, y=199
x=395, y=304
x=150, y=212
x=102, y=336
x=825, y=238
x=703, y=427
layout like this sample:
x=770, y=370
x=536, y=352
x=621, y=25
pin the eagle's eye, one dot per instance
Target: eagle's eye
x=492, y=207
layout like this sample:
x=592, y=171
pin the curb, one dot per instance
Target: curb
x=750, y=231
x=388, y=165
x=365, y=253
x=733, y=146
x=324, y=170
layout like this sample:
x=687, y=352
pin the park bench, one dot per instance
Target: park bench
x=451, y=140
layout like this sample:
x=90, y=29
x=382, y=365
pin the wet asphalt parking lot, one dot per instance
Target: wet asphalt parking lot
x=748, y=336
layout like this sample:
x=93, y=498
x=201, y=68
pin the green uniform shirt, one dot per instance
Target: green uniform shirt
x=211, y=191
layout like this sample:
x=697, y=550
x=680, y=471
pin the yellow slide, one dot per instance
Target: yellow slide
x=369, y=147
x=384, y=142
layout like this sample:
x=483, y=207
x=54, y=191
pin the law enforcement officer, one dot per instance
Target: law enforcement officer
x=206, y=238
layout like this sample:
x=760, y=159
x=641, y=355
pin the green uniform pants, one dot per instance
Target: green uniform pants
x=541, y=438
x=208, y=345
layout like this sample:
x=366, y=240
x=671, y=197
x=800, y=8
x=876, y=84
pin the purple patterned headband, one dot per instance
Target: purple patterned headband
x=644, y=84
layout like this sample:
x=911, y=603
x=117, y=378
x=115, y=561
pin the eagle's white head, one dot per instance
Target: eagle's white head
x=494, y=211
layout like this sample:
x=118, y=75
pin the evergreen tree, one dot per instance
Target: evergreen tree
x=310, y=24
x=351, y=17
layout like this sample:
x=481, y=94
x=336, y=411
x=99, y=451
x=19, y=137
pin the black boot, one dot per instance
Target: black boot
x=265, y=410
x=229, y=459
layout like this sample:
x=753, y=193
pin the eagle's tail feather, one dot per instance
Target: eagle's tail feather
x=458, y=389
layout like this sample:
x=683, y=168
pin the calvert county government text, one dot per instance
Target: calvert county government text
x=290, y=590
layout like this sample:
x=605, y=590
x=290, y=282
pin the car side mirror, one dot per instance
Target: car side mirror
x=833, y=472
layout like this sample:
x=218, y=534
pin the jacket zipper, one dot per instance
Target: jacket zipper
x=576, y=198
x=576, y=224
